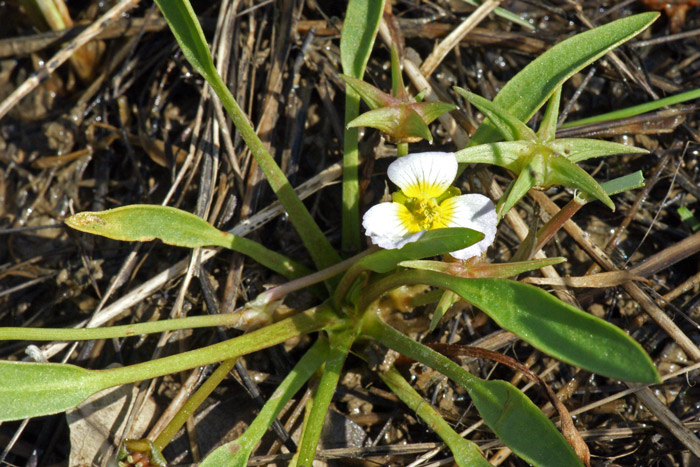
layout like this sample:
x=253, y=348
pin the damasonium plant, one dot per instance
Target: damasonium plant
x=427, y=200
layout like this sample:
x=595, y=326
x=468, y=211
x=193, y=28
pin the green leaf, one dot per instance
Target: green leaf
x=432, y=243
x=340, y=343
x=548, y=324
x=359, y=31
x=465, y=452
x=516, y=190
x=145, y=222
x=237, y=452
x=548, y=127
x=564, y=172
x=188, y=33
x=637, y=109
x=507, y=411
x=505, y=14
x=411, y=127
x=527, y=91
x=506, y=154
x=385, y=119
x=580, y=149
x=398, y=88
x=31, y=389
x=508, y=125
x=519, y=423
x=429, y=111
x=373, y=97
x=186, y=29
x=493, y=270
x=35, y=389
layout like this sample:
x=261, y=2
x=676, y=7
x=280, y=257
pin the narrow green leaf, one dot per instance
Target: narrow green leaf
x=359, y=31
x=493, y=270
x=548, y=127
x=507, y=124
x=615, y=186
x=506, y=154
x=145, y=222
x=432, y=243
x=564, y=172
x=516, y=190
x=340, y=343
x=446, y=301
x=580, y=149
x=527, y=91
x=465, y=452
x=237, y=452
x=385, y=119
x=637, y=109
x=398, y=88
x=188, y=33
x=429, y=111
x=411, y=126
x=548, y=324
x=505, y=14
x=507, y=411
x=373, y=97
x=31, y=389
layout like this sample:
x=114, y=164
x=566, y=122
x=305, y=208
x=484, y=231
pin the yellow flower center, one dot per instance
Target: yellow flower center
x=422, y=214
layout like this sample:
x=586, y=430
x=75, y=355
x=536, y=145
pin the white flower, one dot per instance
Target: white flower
x=428, y=201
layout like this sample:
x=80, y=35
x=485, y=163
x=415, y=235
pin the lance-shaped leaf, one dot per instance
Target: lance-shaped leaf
x=507, y=154
x=432, y=243
x=510, y=127
x=373, y=97
x=493, y=270
x=548, y=127
x=513, y=417
x=547, y=323
x=145, y=222
x=564, y=172
x=411, y=127
x=430, y=111
x=465, y=452
x=580, y=149
x=533, y=85
x=528, y=178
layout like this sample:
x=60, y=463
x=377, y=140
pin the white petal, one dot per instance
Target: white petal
x=475, y=212
x=385, y=228
x=425, y=174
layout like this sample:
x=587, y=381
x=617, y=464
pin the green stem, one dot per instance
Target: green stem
x=128, y=330
x=268, y=258
x=465, y=452
x=351, y=186
x=193, y=403
x=311, y=235
x=238, y=451
x=280, y=291
x=374, y=327
x=340, y=346
x=401, y=149
x=307, y=322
